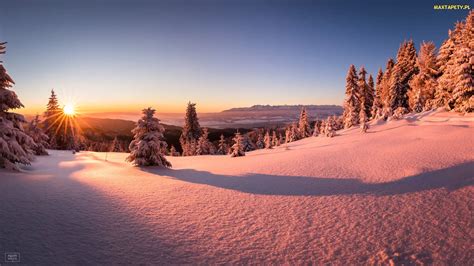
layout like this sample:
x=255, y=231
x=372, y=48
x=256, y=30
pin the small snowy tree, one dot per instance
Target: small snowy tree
x=329, y=130
x=116, y=146
x=204, y=146
x=223, y=148
x=247, y=143
x=191, y=131
x=304, y=129
x=237, y=148
x=15, y=144
x=173, y=151
x=352, y=101
x=146, y=148
x=268, y=141
x=40, y=139
x=291, y=133
x=316, y=129
x=260, y=142
x=275, y=140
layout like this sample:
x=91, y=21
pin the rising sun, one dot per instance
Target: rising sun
x=69, y=109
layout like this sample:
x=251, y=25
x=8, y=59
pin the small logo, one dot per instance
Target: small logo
x=12, y=256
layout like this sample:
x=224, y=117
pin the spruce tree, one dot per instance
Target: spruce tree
x=237, y=148
x=52, y=118
x=462, y=98
x=247, y=143
x=191, y=131
x=316, y=129
x=329, y=130
x=447, y=66
x=370, y=96
x=116, y=146
x=365, y=96
x=275, y=140
x=267, y=140
x=204, y=146
x=377, y=106
x=385, y=85
x=146, y=148
x=15, y=144
x=223, y=148
x=260, y=142
x=304, y=129
x=423, y=84
x=173, y=151
x=352, y=101
x=403, y=71
x=39, y=137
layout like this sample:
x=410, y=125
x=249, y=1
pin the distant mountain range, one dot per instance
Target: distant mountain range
x=291, y=108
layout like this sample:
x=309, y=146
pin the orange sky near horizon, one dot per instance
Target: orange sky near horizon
x=101, y=106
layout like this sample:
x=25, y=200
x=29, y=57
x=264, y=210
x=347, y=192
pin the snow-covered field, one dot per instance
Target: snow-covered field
x=401, y=192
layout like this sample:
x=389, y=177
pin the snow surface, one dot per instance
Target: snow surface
x=401, y=193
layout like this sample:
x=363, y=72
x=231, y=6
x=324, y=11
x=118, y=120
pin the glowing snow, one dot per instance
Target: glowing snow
x=401, y=192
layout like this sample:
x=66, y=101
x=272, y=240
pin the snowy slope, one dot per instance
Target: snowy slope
x=401, y=192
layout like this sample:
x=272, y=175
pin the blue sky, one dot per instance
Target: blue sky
x=124, y=55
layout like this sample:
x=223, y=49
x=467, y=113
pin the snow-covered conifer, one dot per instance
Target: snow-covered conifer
x=370, y=95
x=304, y=129
x=377, y=105
x=173, y=151
x=15, y=144
x=191, y=131
x=462, y=98
x=385, y=83
x=260, y=142
x=329, y=130
x=237, y=148
x=352, y=102
x=275, y=140
x=40, y=139
x=146, y=148
x=51, y=122
x=447, y=66
x=403, y=71
x=116, y=146
x=316, y=129
x=267, y=140
x=247, y=143
x=204, y=146
x=363, y=91
x=423, y=84
x=223, y=148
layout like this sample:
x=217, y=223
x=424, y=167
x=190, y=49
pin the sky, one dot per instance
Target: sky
x=122, y=56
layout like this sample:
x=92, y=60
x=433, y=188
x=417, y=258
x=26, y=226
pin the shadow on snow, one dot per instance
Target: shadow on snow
x=450, y=178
